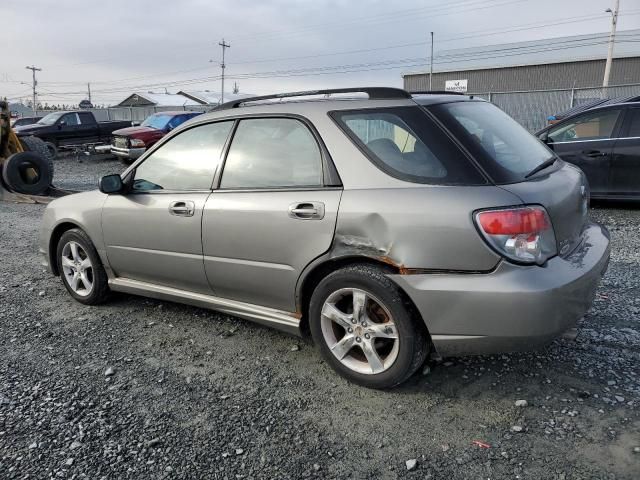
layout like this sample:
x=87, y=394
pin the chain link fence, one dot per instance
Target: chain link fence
x=533, y=108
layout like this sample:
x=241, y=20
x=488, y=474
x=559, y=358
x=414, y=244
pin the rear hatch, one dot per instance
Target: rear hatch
x=509, y=154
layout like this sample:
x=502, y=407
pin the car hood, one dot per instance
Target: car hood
x=33, y=128
x=133, y=131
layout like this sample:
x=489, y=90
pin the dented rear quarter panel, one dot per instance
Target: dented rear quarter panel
x=425, y=227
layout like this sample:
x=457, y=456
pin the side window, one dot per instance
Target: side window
x=176, y=121
x=272, y=152
x=633, y=128
x=593, y=126
x=186, y=162
x=86, y=118
x=390, y=139
x=70, y=119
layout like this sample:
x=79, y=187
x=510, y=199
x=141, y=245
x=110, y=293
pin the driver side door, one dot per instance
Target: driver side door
x=153, y=233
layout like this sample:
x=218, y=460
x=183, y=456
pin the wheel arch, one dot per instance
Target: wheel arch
x=56, y=234
x=321, y=269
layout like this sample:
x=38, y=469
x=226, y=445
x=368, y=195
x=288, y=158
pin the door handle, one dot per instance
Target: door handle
x=182, y=209
x=307, y=210
x=594, y=153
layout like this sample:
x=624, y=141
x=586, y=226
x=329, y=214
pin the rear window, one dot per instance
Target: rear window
x=505, y=150
x=405, y=143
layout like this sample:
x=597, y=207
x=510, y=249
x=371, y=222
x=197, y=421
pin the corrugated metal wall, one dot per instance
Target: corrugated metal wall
x=533, y=77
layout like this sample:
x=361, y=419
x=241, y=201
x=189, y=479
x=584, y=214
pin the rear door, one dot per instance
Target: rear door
x=88, y=130
x=587, y=141
x=154, y=233
x=624, y=179
x=274, y=212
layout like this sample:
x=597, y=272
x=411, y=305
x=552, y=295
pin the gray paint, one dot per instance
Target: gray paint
x=578, y=74
x=256, y=257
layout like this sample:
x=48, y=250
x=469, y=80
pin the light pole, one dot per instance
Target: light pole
x=612, y=41
x=431, y=67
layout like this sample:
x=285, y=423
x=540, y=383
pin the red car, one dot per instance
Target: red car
x=131, y=142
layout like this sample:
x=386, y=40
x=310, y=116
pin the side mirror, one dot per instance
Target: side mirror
x=544, y=137
x=111, y=184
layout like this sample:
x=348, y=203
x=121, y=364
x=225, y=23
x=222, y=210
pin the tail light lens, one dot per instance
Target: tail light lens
x=523, y=234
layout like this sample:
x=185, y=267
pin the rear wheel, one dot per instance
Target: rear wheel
x=364, y=328
x=80, y=268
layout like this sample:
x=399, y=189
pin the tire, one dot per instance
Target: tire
x=386, y=314
x=26, y=172
x=126, y=160
x=53, y=150
x=92, y=286
x=37, y=145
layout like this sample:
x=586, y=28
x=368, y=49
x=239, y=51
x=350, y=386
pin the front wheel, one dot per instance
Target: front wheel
x=80, y=268
x=364, y=327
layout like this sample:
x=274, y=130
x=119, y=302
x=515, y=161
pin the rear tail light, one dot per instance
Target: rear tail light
x=523, y=234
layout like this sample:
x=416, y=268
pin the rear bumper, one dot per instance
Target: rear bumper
x=514, y=307
x=131, y=153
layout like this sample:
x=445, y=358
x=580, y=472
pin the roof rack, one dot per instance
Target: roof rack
x=375, y=93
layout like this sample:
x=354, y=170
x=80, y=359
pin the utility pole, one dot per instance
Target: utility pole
x=89, y=91
x=612, y=41
x=33, y=71
x=223, y=66
x=431, y=68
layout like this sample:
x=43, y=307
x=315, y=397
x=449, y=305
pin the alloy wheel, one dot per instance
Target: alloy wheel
x=77, y=268
x=359, y=330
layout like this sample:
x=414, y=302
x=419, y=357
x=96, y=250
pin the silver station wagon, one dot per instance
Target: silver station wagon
x=386, y=225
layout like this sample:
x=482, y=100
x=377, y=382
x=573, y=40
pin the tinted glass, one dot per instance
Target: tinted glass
x=498, y=143
x=186, y=162
x=70, y=119
x=634, y=122
x=407, y=144
x=592, y=126
x=272, y=152
x=86, y=118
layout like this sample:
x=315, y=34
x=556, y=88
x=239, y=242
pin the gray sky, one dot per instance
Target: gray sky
x=149, y=45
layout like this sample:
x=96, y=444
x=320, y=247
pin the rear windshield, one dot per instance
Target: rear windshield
x=407, y=144
x=503, y=148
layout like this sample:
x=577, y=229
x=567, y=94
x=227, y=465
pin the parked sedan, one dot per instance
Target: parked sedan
x=605, y=143
x=387, y=227
x=129, y=143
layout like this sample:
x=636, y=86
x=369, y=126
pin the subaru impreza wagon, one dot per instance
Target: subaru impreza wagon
x=384, y=224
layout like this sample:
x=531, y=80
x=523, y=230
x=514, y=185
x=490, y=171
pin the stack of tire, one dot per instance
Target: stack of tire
x=29, y=172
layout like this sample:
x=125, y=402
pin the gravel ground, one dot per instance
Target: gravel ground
x=141, y=389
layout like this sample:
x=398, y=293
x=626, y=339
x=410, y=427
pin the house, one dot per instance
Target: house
x=208, y=97
x=152, y=99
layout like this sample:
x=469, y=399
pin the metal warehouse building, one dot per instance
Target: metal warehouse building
x=559, y=63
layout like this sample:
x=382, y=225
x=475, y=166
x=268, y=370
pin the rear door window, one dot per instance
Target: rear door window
x=407, y=144
x=633, y=123
x=86, y=118
x=272, y=153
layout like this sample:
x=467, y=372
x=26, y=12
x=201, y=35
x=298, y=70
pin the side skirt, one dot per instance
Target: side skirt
x=286, y=321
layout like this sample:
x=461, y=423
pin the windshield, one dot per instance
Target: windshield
x=51, y=118
x=157, y=121
x=503, y=148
